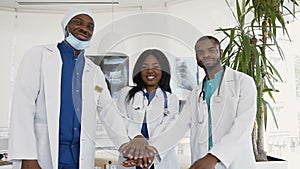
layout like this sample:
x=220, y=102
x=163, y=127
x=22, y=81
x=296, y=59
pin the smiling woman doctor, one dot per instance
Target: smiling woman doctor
x=149, y=108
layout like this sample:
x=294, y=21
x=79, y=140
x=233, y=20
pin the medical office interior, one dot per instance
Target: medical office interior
x=125, y=28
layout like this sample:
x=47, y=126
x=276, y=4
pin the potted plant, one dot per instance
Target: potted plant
x=258, y=22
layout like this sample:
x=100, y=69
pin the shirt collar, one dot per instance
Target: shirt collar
x=218, y=76
x=64, y=46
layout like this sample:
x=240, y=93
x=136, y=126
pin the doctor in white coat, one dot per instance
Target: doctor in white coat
x=149, y=107
x=220, y=113
x=38, y=125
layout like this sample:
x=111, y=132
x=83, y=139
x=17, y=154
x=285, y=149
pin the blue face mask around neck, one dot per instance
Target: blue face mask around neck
x=76, y=43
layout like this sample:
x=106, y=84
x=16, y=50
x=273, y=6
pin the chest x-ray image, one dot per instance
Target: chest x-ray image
x=184, y=76
x=115, y=68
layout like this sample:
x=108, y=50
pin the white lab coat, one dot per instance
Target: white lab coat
x=34, y=125
x=157, y=123
x=232, y=123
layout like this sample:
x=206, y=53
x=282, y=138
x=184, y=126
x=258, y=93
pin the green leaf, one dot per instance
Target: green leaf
x=273, y=114
x=249, y=41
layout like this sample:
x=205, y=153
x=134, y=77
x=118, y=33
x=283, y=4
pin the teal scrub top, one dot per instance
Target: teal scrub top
x=210, y=87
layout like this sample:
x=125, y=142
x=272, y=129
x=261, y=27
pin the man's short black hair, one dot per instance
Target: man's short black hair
x=207, y=37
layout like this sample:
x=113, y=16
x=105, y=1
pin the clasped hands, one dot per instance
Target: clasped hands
x=137, y=153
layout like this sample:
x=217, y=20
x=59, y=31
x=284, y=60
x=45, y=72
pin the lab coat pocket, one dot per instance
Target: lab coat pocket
x=136, y=114
x=225, y=115
x=231, y=106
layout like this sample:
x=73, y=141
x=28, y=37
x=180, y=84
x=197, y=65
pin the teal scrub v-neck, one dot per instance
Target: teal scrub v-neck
x=210, y=87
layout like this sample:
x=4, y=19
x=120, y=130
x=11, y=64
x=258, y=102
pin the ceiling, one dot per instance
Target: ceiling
x=95, y=5
x=62, y=5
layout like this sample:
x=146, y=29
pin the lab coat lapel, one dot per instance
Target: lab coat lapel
x=218, y=110
x=51, y=75
x=227, y=88
x=155, y=108
x=88, y=84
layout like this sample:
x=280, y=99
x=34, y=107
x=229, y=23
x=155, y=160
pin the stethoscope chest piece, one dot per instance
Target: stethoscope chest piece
x=217, y=99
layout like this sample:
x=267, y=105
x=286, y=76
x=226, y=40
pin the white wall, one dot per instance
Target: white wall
x=287, y=114
x=6, y=65
x=23, y=29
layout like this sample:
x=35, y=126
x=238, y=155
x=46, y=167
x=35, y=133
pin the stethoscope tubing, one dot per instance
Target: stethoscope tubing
x=202, y=93
x=166, y=111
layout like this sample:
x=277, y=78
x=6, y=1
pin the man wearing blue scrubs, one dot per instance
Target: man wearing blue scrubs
x=57, y=95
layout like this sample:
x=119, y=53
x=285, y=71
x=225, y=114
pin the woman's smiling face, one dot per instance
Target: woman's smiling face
x=151, y=73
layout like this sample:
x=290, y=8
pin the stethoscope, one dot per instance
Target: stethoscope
x=166, y=111
x=216, y=99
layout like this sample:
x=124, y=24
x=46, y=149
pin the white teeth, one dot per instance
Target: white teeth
x=150, y=77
